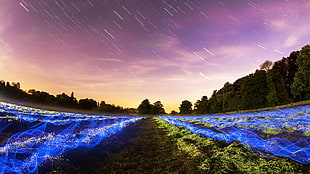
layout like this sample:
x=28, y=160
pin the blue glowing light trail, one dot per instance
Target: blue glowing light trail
x=244, y=127
x=46, y=134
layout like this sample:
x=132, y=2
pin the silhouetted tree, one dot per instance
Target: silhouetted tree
x=271, y=97
x=286, y=80
x=16, y=85
x=145, y=107
x=201, y=106
x=287, y=68
x=213, y=104
x=301, y=86
x=186, y=107
x=66, y=101
x=173, y=112
x=13, y=91
x=2, y=83
x=108, y=108
x=88, y=104
x=278, y=89
x=266, y=65
x=269, y=86
x=224, y=97
x=158, y=108
x=256, y=91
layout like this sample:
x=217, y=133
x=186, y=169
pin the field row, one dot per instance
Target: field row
x=29, y=136
x=218, y=156
x=282, y=132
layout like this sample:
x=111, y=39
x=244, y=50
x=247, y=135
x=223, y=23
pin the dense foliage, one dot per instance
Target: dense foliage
x=278, y=83
x=301, y=84
x=186, y=107
x=13, y=91
x=147, y=108
x=287, y=81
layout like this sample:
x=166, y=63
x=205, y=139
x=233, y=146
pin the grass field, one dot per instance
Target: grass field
x=34, y=140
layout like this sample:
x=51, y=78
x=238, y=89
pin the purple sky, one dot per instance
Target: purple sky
x=123, y=51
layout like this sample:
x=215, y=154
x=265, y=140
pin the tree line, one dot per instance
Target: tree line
x=13, y=91
x=282, y=82
x=279, y=83
x=154, y=109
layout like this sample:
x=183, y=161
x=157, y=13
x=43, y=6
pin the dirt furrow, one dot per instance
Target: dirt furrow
x=140, y=148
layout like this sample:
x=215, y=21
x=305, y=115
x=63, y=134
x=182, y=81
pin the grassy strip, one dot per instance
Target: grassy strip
x=141, y=147
x=295, y=104
x=290, y=105
x=219, y=157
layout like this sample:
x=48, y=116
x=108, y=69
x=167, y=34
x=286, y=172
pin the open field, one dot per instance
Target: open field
x=34, y=140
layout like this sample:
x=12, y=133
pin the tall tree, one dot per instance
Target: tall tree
x=186, y=107
x=266, y=65
x=291, y=68
x=200, y=107
x=254, y=90
x=64, y=100
x=224, y=97
x=280, y=85
x=214, y=105
x=88, y=104
x=158, y=108
x=287, y=68
x=145, y=107
x=301, y=85
x=109, y=108
x=271, y=97
x=173, y=112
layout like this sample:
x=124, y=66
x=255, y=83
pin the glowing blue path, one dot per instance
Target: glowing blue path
x=50, y=134
x=242, y=127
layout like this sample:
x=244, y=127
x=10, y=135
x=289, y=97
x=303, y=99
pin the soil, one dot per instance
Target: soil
x=141, y=147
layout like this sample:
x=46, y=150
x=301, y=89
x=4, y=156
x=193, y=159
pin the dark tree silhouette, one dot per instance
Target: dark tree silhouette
x=200, y=107
x=145, y=107
x=158, y=108
x=301, y=86
x=88, y=104
x=286, y=81
x=108, y=108
x=173, y=112
x=287, y=68
x=266, y=65
x=66, y=101
x=186, y=107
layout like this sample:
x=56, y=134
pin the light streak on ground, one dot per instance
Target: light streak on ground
x=46, y=134
x=246, y=128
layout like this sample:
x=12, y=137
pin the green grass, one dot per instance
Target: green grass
x=218, y=157
x=295, y=104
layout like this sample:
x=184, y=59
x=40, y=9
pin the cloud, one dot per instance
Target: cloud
x=162, y=42
x=291, y=41
x=233, y=51
x=295, y=36
x=279, y=24
x=109, y=59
